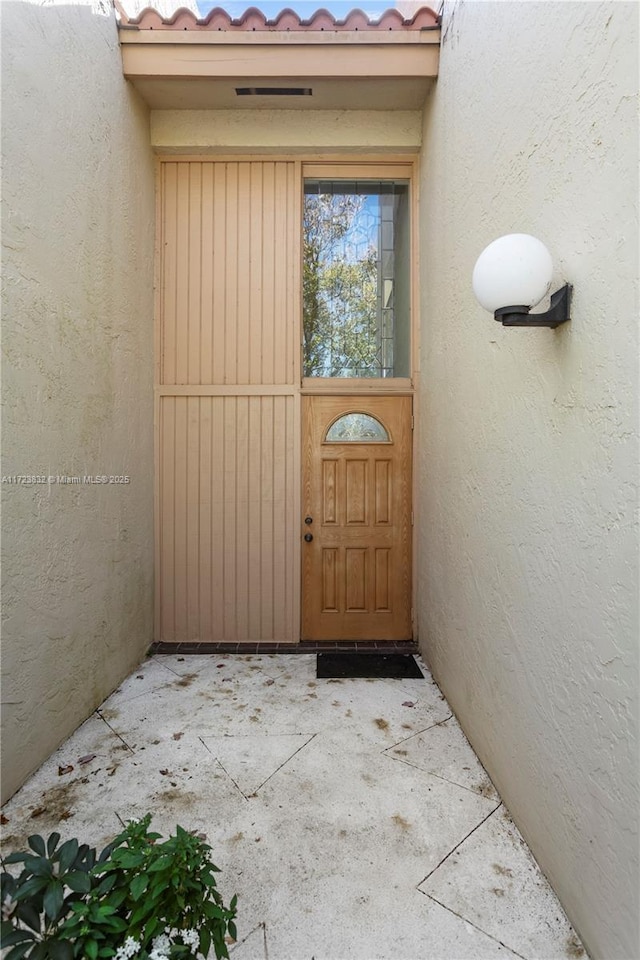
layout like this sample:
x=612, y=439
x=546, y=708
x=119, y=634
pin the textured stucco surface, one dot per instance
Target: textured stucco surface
x=175, y=131
x=528, y=588
x=77, y=374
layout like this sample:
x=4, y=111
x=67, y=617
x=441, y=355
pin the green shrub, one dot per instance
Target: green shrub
x=138, y=898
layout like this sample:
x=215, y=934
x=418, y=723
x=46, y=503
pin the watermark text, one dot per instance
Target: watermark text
x=28, y=480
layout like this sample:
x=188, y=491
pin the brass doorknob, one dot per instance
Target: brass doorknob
x=308, y=537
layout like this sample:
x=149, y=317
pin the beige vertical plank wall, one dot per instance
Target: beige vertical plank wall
x=226, y=526
x=227, y=412
x=228, y=308
x=77, y=343
x=528, y=583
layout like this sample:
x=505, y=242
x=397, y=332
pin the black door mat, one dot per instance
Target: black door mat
x=394, y=665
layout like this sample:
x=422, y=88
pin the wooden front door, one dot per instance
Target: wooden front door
x=356, y=525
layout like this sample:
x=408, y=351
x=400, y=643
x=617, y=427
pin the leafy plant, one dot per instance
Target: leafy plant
x=138, y=898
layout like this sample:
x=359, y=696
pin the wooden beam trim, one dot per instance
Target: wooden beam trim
x=388, y=156
x=224, y=390
x=346, y=386
x=286, y=38
x=289, y=62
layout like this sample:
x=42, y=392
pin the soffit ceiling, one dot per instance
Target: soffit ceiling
x=327, y=95
x=182, y=62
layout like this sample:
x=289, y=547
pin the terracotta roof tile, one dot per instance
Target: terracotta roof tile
x=254, y=20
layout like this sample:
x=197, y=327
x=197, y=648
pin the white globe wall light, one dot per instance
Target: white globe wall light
x=514, y=274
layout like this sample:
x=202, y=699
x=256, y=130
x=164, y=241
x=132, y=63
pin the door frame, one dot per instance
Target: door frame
x=377, y=166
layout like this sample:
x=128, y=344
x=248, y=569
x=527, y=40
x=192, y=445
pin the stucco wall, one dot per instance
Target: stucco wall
x=528, y=589
x=265, y=131
x=77, y=374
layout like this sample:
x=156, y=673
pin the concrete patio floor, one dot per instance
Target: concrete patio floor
x=351, y=816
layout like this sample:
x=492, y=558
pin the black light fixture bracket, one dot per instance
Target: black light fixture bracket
x=557, y=313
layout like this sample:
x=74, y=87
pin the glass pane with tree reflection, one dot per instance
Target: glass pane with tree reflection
x=356, y=279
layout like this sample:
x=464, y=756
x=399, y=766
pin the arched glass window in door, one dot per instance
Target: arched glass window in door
x=357, y=428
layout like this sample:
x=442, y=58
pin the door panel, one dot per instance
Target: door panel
x=227, y=410
x=228, y=272
x=357, y=566
x=227, y=533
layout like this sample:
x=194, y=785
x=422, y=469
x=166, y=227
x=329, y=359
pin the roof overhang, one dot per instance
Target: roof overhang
x=186, y=63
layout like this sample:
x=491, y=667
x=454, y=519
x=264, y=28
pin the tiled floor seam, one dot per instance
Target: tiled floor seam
x=145, y=693
x=222, y=767
x=453, y=850
x=115, y=732
x=305, y=744
x=158, y=659
x=260, y=926
x=417, y=733
x=454, y=783
x=440, y=723
x=259, y=787
x=474, y=925
x=476, y=793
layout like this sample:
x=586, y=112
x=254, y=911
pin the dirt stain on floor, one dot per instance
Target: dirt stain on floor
x=381, y=723
x=400, y=822
x=186, y=680
x=574, y=947
x=485, y=790
x=45, y=815
x=502, y=871
x=109, y=714
x=57, y=801
x=176, y=795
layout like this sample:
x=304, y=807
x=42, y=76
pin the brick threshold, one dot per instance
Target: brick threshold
x=305, y=646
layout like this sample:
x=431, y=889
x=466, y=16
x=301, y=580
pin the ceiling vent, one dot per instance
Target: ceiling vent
x=274, y=91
